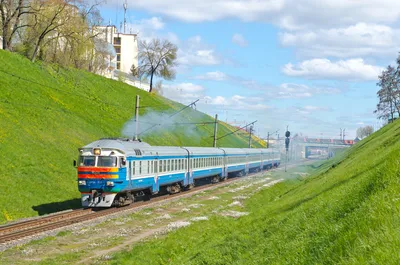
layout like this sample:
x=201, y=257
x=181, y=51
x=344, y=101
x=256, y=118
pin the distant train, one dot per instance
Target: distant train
x=113, y=172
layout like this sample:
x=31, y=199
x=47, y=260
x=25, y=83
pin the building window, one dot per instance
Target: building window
x=118, y=57
x=117, y=41
x=117, y=49
x=118, y=66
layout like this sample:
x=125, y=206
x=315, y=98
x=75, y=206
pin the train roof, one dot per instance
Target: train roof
x=133, y=147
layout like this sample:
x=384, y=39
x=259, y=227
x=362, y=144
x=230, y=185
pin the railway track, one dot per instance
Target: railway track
x=12, y=232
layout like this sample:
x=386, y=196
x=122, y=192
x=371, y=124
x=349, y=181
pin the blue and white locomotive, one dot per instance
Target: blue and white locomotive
x=112, y=172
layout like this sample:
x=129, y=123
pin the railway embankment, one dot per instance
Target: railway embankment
x=47, y=113
x=346, y=212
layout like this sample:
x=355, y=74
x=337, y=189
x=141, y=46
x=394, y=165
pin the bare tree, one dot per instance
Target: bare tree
x=157, y=58
x=364, y=131
x=12, y=13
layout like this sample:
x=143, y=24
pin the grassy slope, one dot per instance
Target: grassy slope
x=347, y=213
x=47, y=113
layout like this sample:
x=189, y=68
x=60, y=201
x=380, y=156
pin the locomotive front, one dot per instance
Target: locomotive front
x=101, y=175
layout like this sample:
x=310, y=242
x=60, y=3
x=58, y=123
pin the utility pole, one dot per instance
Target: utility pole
x=251, y=130
x=268, y=140
x=340, y=134
x=125, y=8
x=215, y=130
x=344, y=134
x=137, y=117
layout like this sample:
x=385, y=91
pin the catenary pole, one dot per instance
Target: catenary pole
x=215, y=130
x=137, y=117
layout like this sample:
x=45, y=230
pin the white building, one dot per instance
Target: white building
x=125, y=45
x=126, y=55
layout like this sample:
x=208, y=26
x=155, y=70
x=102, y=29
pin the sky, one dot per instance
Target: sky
x=310, y=65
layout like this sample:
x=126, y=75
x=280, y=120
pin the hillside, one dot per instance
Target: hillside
x=47, y=113
x=346, y=212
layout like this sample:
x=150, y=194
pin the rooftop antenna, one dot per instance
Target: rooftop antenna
x=125, y=8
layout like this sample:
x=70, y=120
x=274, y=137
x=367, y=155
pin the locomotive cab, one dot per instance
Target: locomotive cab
x=100, y=175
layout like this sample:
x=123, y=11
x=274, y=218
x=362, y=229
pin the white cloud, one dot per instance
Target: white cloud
x=360, y=39
x=147, y=28
x=350, y=70
x=249, y=10
x=215, y=76
x=309, y=109
x=239, y=40
x=195, y=52
x=189, y=92
x=288, y=14
x=290, y=90
x=237, y=102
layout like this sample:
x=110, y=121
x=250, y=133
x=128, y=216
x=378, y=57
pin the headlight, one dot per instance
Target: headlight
x=110, y=183
x=82, y=182
x=97, y=151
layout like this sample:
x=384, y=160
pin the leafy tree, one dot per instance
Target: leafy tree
x=134, y=70
x=12, y=18
x=157, y=58
x=389, y=92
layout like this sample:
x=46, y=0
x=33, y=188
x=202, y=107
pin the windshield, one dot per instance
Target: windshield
x=107, y=161
x=102, y=161
x=88, y=161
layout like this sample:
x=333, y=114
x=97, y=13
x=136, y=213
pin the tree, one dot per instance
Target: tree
x=134, y=71
x=52, y=15
x=157, y=58
x=12, y=12
x=364, y=131
x=389, y=93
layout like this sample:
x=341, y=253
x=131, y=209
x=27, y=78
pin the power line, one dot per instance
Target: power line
x=179, y=111
x=237, y=130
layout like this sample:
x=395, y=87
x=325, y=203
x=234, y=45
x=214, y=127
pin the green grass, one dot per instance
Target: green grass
x=347, y=212
x=47, y=113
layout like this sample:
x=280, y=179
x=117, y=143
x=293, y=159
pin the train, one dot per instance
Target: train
x=116, y=171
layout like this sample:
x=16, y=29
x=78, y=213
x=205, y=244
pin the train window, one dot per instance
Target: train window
x=155, y=166
x=166, y=165
x=161, y=165
x=88, y=161
x=133, y=167
x=150, y=167
x=107, y=161
x=140, y=167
